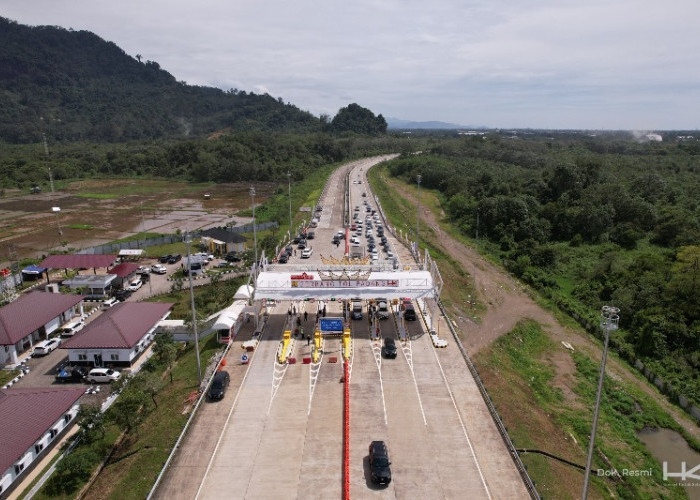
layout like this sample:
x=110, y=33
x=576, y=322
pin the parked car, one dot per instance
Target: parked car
x=164, y=259
x=71, y=374
x=102, y=375
x=389, y=348
x=158, y=269
x=143, y=270
x=232, y=257
x=301, y=245
x=307, y=252
x=134, y=284
x=145, y=278
x=223, y=264
x=175, y=258
x=284, y=258
x=46, y=347
x=122, y=295
x=219, y=384
x=379, y=464
x=310, y=235
x=72, y=327
x=110, y=302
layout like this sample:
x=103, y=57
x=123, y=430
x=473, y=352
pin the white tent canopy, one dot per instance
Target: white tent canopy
x=243, y=292
x=228, y=317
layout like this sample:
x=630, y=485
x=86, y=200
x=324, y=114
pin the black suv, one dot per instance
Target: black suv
x=164, y=259
x=219, y=385
x=409, y=313
x=379, y=463
x=232, y=257
x=389, y=348
x=174, y=258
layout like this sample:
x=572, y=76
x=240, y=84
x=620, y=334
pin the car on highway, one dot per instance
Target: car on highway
x=134, y=284
x=219, y=384
x=307, y=252
x=379, y=463
x=389, y=348
x=158, y=269
x=409, y=312
x=46, y=347
x=102, y=375
x=71, y=374
x=383, y=308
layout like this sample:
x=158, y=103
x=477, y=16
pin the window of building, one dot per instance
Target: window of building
x=38, y=448
x=19, y=468
x=82, y=357
x=52, y=433
x=114, y=357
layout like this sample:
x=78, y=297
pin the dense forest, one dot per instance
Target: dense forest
x=74, y=86
x=588, y=221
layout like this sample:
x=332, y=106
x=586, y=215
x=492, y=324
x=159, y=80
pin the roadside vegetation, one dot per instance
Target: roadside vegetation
x=586, y=222
x=519, y=371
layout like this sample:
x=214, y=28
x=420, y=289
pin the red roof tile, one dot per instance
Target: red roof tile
x=121, y=327
x=26, y=414
x=31, y=311
x=78, y=261
x=124, y=269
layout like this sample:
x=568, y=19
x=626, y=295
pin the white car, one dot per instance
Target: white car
x=135, y=284
x=110, y=302
x=355, y=240
x=306, y=253
x=46, y=347
x=158, y=269
x=72, y=327
x=102, y=375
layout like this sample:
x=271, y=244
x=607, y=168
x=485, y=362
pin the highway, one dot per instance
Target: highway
x=278, y=433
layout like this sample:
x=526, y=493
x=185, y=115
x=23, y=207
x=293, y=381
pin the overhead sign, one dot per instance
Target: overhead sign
x=345, y=284
x=331, y=324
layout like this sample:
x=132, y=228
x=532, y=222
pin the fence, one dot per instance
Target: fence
x=166, y=239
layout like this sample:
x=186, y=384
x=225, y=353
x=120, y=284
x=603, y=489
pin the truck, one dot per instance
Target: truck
x=356, y=308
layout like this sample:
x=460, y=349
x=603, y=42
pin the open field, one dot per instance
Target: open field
x=94, y=211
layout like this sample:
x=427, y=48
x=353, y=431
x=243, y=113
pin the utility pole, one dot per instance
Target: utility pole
x=194, y=314
x=46, y=152
x=418, y=179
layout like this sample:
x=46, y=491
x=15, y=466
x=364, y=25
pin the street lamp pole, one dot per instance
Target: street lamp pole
x=418, y=179
x=194, y=314
x=609, y=319
x=255, y=233
x=289, y=181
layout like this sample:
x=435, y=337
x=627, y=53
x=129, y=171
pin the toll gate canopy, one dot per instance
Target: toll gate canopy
x=343, y=284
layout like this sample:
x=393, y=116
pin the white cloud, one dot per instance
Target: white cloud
x=559, y=63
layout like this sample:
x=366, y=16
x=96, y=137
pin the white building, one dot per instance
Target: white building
x=118, y=336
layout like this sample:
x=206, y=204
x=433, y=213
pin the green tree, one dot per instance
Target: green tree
x=165, y=351
x=92, y=420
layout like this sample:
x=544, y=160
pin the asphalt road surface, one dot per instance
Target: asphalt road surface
x=278, y=433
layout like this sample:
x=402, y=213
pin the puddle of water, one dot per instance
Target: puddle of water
x=670, y=447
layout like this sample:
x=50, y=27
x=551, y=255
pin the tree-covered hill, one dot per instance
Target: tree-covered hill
x=72, y=85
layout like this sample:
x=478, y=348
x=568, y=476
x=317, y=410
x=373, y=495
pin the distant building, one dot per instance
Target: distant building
x=220, y=241
x=32, y=421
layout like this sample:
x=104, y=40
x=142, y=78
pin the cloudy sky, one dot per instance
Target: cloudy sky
x=599, y=64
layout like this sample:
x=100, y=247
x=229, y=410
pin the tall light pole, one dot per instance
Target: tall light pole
x=194, y=315
x=418, y=179
x=289, y=181
x=255, y=233
x=609, y=319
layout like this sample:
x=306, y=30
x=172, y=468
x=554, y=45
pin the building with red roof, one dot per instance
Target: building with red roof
x=31, y=319
x=32, y=420
x=118, y=336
